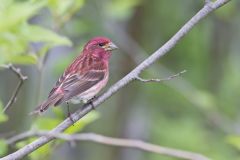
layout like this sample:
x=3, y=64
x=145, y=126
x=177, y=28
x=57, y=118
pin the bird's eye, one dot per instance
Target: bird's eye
x=101, y=44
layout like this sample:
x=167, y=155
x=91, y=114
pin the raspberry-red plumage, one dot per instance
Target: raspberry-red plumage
x=85, y=77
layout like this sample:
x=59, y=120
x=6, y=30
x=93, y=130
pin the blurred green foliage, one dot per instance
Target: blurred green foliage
x=121, y=9
x=16, y=31
x=48, y=123
x=3, y=118
x=3, y=147
x=198, y=111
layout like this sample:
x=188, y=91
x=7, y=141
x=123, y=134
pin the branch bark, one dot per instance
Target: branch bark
x=21, y=77
x=160, y=80
x=118, y=142
x=208, y=8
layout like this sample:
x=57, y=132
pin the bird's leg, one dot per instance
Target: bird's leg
x=90, y=101
x=69, y=114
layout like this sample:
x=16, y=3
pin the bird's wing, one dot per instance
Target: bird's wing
x=76, y=84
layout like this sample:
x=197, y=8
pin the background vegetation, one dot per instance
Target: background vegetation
x=198, y=111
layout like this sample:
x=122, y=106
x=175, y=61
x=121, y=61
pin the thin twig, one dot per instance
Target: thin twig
x=21, y=77
x=7, y=134
x=207, y=9
x=160, y=80
x=119, y=142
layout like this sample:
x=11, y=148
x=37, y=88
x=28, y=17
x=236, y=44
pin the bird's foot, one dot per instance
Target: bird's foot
x=91, y=102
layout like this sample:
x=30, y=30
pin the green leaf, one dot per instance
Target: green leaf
x=23, y=59
x=79, y=125
x=46, y=123
x=3, y=117
x=60, y=8
x=13, y=14
x=38, y=154
x=42, y=123
x=38, y=34
x=78, y=4
x=3, y=147
x=43, y=50
x=42, y=152
x=234, y=140
x=13, y=38
x=59, y=112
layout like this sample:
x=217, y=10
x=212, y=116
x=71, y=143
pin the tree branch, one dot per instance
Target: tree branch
x=160, y=80
x=21, y=77
x=207, y=2
x=208, y=8
x=118, y=142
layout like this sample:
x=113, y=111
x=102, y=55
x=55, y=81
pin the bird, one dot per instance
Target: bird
x=84, y=78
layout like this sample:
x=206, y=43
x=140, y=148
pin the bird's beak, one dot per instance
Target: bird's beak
x=110, y=46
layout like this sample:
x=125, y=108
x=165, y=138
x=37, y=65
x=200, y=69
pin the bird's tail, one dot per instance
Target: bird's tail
x=49, y=102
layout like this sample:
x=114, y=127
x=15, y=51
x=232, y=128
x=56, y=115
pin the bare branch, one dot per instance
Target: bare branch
x=207, y=9
x=118, y=142
x=160, y=80
x=207, y=2
x=21, y=77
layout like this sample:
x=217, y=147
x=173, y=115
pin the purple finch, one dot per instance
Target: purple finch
x=85, y=77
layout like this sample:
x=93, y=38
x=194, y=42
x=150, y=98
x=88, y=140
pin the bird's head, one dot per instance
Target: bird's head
x=100, y=47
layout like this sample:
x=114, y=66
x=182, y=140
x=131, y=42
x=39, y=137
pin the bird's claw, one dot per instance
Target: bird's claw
x=91, y=102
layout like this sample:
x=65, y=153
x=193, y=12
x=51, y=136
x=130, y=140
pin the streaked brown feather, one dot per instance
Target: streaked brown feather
x=81, y=84
x=73, y=83
x=87, y=70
